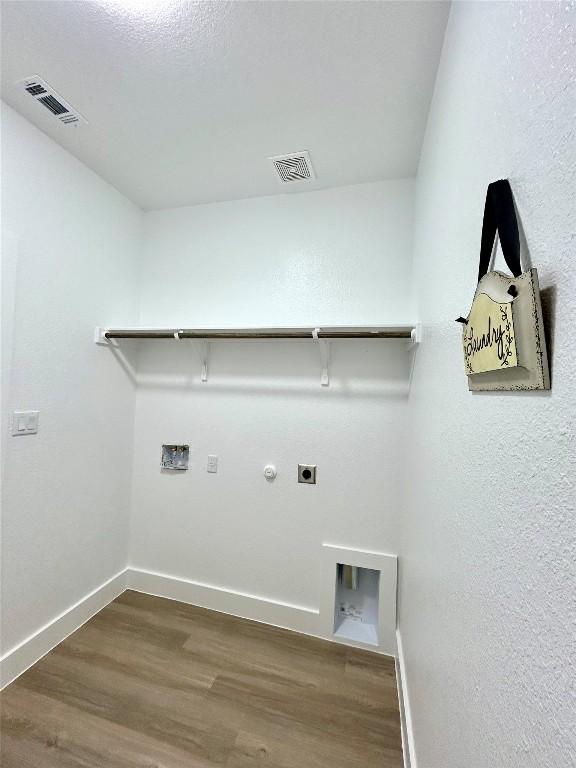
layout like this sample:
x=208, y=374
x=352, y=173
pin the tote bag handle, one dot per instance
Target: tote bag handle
x=500, y=216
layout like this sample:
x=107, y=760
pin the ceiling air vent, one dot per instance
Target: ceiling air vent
x=47, y=97
x=293, y=167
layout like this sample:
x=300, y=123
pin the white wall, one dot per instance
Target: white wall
x=337, y=256
x=70, y=250
x=488, y=617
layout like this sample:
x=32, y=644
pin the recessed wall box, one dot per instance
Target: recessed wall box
x=175, y=457
x=356, y=604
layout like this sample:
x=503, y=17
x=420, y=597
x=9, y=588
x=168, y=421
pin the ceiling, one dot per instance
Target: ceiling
x=185, y=101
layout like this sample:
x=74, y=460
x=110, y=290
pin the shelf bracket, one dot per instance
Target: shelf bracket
x=99, y=337
x=415, y=340
x=203, y=350
x=415, y=336
x=324, y=347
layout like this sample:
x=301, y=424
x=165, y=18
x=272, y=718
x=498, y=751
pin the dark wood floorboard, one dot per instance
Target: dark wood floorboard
x=152, y=683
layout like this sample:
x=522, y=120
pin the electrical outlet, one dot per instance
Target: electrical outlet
x=307, y=473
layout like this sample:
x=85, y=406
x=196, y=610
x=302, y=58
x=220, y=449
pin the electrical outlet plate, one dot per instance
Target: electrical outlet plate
x=307, y=473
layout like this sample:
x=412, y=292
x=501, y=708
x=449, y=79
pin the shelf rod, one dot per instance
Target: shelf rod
x=287, y=333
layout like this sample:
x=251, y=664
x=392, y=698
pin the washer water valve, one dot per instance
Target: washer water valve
x=270, y=472
x=175, y=457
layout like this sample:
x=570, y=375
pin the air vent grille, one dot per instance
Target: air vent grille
x=46, y=96
x=53, y=105
x=295, y=167
x=35, y=89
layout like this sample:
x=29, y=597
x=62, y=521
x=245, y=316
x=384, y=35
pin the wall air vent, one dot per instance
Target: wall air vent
x=293, y=167
x=47, y=97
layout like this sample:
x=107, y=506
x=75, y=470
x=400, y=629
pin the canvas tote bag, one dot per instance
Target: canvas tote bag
x=503, y=335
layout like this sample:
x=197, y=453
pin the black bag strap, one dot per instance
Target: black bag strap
x=500, y=216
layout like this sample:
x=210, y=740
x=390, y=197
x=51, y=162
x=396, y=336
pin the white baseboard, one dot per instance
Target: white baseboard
x=408, y=745
x=18, y=659
x=295, y=617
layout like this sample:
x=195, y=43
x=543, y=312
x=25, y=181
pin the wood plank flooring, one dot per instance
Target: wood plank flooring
x=152, y=683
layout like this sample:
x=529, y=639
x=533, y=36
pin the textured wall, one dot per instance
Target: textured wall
x=340, y=256
x=488, y=612
x=65, y=493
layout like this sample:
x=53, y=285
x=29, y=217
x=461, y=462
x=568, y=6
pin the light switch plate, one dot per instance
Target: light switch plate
x=212, y=463
x=25, y=422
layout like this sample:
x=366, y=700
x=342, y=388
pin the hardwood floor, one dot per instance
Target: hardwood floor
x=152, y=683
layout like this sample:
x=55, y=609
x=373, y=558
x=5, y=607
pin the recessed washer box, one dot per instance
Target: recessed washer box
x=363, y=616
x=175, y=457
x=356, y=610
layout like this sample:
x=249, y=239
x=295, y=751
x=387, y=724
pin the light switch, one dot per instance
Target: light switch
x=25, y=422
x=212, y=463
